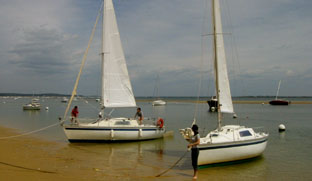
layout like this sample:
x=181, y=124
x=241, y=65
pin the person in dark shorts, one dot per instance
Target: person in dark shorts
x=194, y=141
x=139, y=115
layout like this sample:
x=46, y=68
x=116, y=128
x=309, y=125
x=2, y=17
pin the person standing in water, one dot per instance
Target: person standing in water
x=139, y=115
x=194, y=141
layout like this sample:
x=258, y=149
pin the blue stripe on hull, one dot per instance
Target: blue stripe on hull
x=232, y=145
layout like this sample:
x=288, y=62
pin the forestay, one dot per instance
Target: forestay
x=225, y=99
x=116, y=86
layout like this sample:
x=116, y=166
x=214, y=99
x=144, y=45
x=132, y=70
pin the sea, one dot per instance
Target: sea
x=288, y=155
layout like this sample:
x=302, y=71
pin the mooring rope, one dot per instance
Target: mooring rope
x=172, y=165
x=31, y=132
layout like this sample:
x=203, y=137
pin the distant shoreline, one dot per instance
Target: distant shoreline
x=143, y=97
x=234, y=102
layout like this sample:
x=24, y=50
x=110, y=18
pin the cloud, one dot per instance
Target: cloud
x=45, y=40
x=42, y=51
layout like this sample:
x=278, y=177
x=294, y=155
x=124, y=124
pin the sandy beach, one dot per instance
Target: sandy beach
x=31, y=158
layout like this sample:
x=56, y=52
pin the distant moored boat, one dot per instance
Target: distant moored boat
x=279, y=101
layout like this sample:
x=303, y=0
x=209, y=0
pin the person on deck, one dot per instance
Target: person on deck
x=74, y=115
x=194, y=141
x=139, y=115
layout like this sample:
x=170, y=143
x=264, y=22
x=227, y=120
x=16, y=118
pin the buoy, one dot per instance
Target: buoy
x=234, y=116
x=46, y=108
x=281, y=128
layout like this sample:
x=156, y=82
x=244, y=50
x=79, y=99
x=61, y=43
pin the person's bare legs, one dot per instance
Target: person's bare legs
x=195, y=174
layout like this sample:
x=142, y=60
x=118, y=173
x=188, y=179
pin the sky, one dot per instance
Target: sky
x=42, y=44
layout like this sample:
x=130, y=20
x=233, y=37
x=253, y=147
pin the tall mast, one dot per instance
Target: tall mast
x=102, y=57
x=279, y=85
x=216, y=60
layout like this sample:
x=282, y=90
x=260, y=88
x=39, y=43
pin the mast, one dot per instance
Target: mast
x=102, y=58
x=216, y=62
x=279, y=85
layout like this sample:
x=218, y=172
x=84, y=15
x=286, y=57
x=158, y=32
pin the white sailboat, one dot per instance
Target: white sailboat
x=116, y=93
x=158, y=101
x=64, y=100
x=229, y=142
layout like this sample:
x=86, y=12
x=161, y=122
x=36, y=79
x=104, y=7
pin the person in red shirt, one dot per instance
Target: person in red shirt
x=74, y=115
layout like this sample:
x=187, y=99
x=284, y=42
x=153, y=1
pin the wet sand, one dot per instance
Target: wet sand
x=31, y=158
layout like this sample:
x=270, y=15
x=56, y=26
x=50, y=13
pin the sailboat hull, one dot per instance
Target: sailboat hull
x=279, y=102
x=159, y=103
x=213, y=105
x=103, y=132
x=233, y=151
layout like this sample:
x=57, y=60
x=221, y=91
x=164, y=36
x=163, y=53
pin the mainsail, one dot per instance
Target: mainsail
x=116, y=86
x=224, y=98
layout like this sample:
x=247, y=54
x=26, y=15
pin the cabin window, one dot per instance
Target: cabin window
x=244, y=133
x=122, y=123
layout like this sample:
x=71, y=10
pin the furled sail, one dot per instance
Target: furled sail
x=116, y=86
x=225, y=99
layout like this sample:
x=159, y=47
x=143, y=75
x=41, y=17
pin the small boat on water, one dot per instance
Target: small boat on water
x=116, y=93
x=279, y=102
x=229, y=142
x=33, y=105
x=158, y=101
x=65, y=100
x=213, y=104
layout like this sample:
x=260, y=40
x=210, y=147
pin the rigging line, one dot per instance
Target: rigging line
x=201, y=69
x=235, y=51
x=30, y=132
x=173, y=164
x=83, y=63
x=87, y=102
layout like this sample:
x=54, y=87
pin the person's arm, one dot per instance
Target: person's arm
x=194, y=144
x=142, y=117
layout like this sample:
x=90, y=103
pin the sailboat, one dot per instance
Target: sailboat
x=158, y=101
x=228, y=142
x=213, y=104
x=116, y=92
x=279, y=101
x=33, y=105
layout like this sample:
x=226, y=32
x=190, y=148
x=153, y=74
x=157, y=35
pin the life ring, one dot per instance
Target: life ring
x=160, y=123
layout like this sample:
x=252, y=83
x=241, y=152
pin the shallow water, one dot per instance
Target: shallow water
x=287, y=156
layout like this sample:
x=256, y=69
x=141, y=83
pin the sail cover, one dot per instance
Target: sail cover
x=225, y=99
x=116, y=86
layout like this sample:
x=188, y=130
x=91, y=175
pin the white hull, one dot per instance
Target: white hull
x=159, y=103
x=226, y=152
x=229, y=143
x=116, y=129
x=34, y=105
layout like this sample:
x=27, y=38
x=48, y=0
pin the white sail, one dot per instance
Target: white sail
x=278, y=88
x=225, y=99
x=116, y=86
